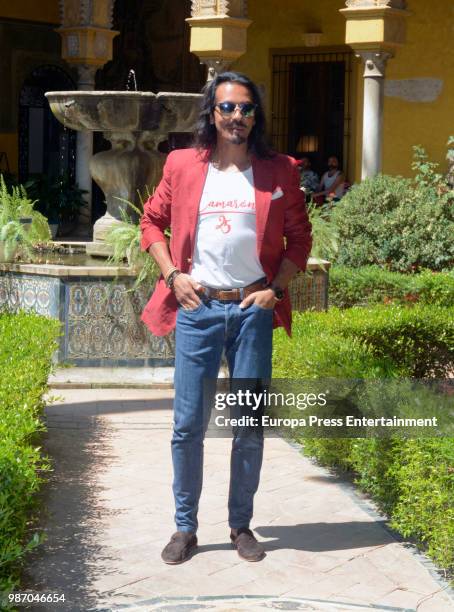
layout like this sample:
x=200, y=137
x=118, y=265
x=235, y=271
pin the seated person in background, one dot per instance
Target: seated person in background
x=332, y=183
x=309, y=179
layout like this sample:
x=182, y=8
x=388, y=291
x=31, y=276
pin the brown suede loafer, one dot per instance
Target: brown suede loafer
x=182, y=544
x=246, y=545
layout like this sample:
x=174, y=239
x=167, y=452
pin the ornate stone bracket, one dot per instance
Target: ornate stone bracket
x=218, y=32
x=231, y=8
x=398, y=4
x=373, y=24
x=86, y=31
x=86, y=12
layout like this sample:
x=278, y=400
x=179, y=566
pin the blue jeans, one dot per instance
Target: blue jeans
x=201, y=336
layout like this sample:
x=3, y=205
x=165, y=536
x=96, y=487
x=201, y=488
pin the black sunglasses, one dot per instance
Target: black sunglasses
x=227, y=109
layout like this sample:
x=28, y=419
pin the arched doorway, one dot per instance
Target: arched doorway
x=45, y=146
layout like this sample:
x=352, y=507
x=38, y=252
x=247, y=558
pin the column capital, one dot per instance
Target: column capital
x=374, y=62
x=215, y=66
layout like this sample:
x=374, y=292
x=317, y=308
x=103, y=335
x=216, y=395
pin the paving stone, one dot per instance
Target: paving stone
x=439, y=602
x=400, y=597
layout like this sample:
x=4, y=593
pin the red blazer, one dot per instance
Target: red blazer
x=175, y=204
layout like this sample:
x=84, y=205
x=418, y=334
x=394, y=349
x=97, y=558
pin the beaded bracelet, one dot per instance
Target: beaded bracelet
x=169, y=272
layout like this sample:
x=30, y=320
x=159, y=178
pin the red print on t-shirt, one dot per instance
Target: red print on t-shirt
x=224, y=224
x=230, y=205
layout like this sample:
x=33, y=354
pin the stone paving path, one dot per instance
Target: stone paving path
x=110, y=512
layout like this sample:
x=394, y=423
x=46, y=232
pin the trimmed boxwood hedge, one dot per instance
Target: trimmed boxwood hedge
x=371, y=285
x=27, y=342
x=412, y=480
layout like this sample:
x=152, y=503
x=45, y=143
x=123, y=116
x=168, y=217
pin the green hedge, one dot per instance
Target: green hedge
x=371, y=285
x=27, y=342
x=412, y=480
x=386, y=340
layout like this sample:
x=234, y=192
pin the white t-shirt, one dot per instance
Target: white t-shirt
x=328, y=181
x=225, y=253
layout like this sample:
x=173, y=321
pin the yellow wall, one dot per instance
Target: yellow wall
x=9, y=145
x=31, y=10
x=282, y=24
x=426, y=54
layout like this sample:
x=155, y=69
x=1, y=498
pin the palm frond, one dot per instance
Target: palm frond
x=124, y=238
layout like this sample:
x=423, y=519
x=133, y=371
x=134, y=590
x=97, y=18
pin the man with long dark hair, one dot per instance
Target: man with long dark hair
x=240, y=232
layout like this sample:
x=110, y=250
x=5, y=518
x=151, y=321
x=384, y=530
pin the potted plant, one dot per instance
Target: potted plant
x=20, y=225
x=59, y=199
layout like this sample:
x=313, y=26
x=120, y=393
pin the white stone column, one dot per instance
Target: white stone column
x=374, y=86
x=84, y=152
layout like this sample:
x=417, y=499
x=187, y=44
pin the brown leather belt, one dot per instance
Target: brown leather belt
x=234, y=294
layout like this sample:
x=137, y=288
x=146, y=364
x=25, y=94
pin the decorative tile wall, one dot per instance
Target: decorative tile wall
x=103, y=320
x=100, y=318
x=38, y=294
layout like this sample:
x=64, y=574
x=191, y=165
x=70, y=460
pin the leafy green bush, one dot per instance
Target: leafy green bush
x=411, y=480
x=424, y=470
x=399, y=224
x=27, y=342
x=371, y=285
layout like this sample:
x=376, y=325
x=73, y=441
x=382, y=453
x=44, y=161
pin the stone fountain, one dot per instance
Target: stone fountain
x=134, y=122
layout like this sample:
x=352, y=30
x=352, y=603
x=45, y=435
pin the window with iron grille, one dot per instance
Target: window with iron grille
x=311, y=102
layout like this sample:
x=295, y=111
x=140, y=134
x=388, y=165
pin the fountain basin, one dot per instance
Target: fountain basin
x=125, y=111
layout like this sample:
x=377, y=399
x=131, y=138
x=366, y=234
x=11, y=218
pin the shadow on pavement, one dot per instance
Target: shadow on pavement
x=71, y=560
x=323, y=537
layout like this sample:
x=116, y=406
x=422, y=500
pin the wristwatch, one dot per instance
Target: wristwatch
x=278, y=292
